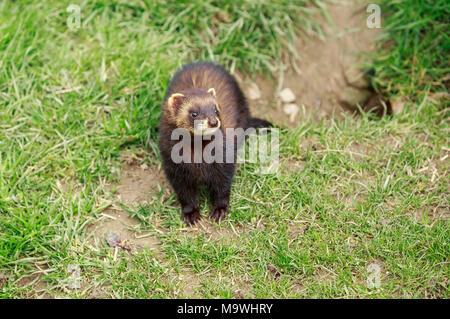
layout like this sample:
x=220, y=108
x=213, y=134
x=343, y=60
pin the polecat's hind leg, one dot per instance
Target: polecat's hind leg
x=220, y=194
x=187, y=196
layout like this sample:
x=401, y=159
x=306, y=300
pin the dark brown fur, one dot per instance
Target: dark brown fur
x=192, y=83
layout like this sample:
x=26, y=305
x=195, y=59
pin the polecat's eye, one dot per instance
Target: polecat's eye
x=215, y=110
x=194, y=114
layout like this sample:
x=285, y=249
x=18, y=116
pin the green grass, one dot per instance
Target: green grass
x=414, y=57
x=365, y=191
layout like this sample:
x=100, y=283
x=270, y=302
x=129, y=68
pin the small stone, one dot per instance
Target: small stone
x=287, y=96
x=291, y=110
x=113, y=239
x=144, y=167
x=253, y=92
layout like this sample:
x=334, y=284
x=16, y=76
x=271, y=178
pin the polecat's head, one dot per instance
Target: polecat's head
x=196, y=110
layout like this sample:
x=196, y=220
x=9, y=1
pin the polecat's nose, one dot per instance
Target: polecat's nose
x=212, y=122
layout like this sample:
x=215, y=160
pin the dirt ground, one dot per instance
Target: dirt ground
x=137, y=182
x=326, y=72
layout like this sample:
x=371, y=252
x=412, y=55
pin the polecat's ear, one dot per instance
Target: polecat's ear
x=174, y=102
x=212, y=91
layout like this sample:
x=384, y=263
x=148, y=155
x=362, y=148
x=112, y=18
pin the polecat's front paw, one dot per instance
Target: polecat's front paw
x=219, y=212
x=190, y=215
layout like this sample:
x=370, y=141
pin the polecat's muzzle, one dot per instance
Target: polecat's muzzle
x=206, y=127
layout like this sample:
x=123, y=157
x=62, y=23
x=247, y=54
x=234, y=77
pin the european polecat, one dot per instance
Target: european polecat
x=202, y=98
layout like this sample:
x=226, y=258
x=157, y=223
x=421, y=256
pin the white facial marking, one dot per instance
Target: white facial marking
x=201, y=127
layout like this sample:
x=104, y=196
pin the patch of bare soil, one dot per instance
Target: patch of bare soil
x=137, y=183
x=194, y=285
x=432, y=212
x=324, y=276
x=292, y=166
x=118, y=223
x=35, y=287
x=212, y=230
x=326, y=80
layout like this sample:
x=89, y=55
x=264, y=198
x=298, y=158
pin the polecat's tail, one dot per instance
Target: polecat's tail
x=258, y=123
